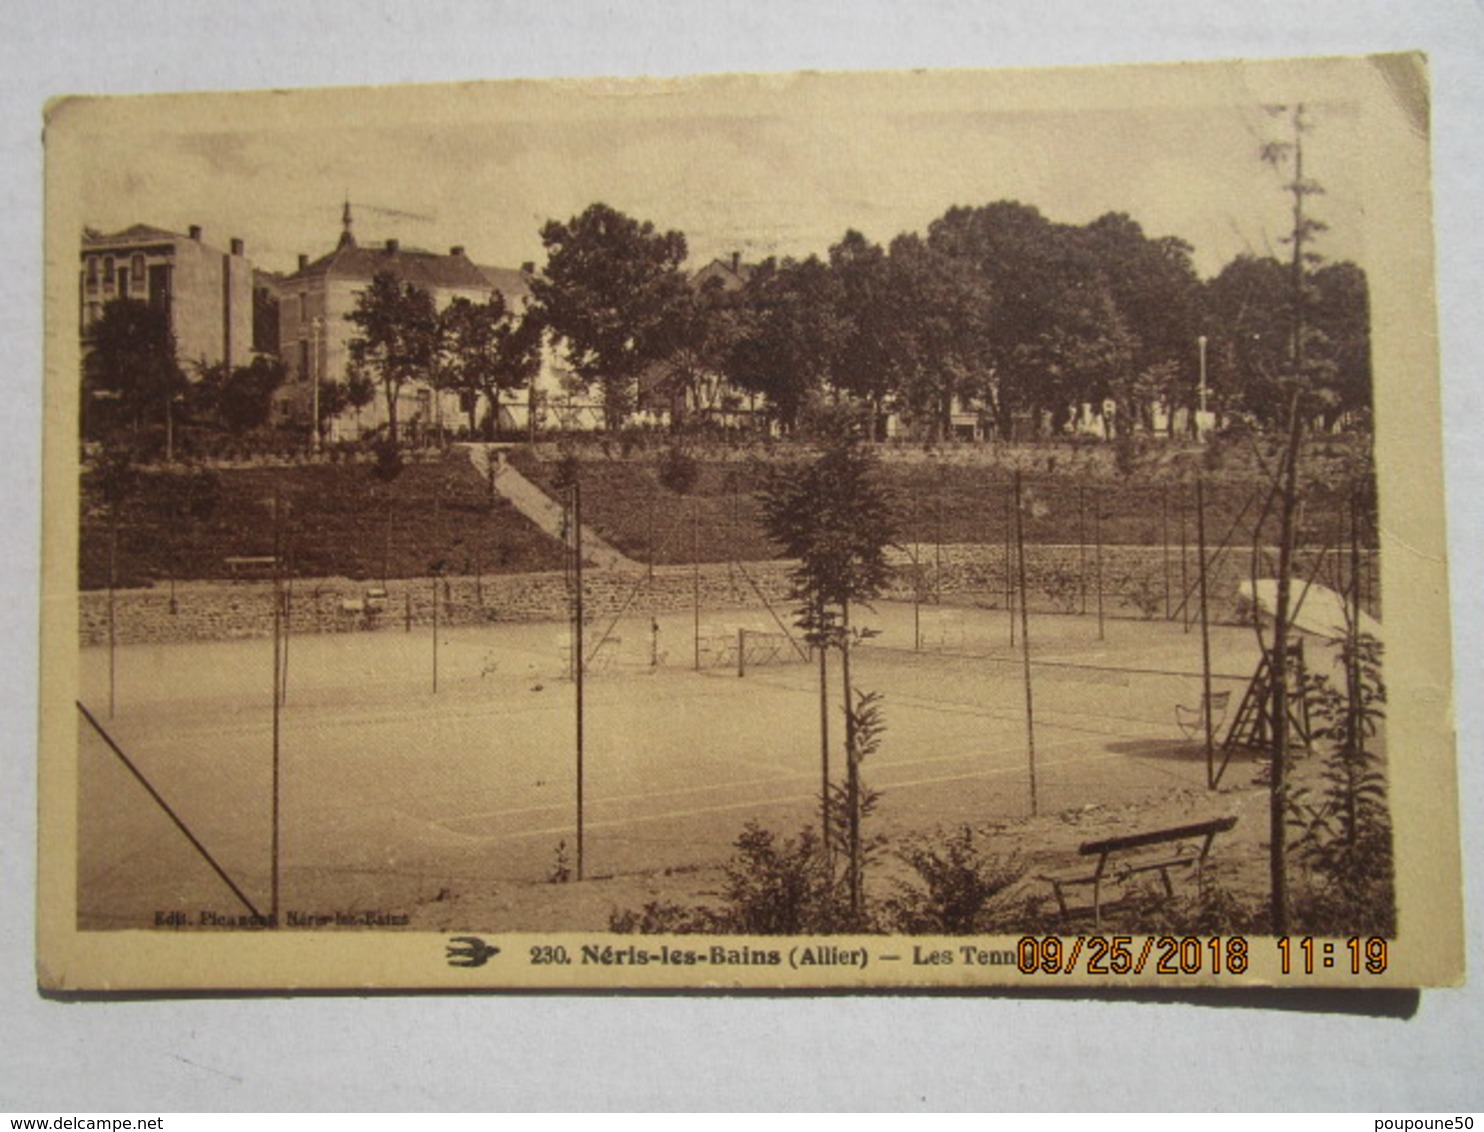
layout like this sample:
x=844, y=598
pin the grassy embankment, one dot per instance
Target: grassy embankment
x=338, y=520
x=957, y=497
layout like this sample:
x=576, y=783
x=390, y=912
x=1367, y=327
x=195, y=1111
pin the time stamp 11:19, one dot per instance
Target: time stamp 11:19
x=1192, y=955
x=1305, y=955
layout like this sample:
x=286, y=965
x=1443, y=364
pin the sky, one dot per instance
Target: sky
x=768, y=165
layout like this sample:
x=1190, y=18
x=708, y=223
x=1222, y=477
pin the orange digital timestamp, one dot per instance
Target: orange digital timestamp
x=1356, y=954
x=1119, y=955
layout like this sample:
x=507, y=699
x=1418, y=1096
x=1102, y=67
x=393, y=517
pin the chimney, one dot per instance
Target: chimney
x=195, y=231
x=237, y=246
x=736, y=262
x=303, y=261
x=457, y=249
x=393, y=245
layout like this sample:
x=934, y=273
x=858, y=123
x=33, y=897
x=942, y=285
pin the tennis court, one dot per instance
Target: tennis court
x=393, y=795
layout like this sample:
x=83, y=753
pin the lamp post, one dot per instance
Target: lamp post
x=316, y=361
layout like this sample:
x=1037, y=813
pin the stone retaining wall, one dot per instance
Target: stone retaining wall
x=229, y=610
x=1060, y=579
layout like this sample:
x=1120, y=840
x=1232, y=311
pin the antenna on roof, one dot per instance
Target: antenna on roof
x=398, y=213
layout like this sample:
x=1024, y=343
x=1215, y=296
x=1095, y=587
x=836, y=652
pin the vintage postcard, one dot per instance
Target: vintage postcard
x=913, y=530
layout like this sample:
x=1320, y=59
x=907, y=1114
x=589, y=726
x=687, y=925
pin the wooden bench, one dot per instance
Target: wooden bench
x=1190, y=845
x=236, y=563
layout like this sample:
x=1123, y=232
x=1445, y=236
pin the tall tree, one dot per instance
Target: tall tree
x=1302, y=383
x=398, y=339
x=1248, y=327
x=489, y=349
x=336, y=397
x=1249, y=311
x=611, y=293
x=789, y=329
x=708, y=322
x=1155, y=291
x=1341, y=327
x=835, y=519
x=871, y=347
x=1049, y=310
x=130, y=369
x=942, y=310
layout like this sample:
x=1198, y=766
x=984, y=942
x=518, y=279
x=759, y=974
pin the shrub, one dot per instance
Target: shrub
x=1147, y=596
x=956, y=879
x=778, y=887
x=678, y=470
x=567, y=471
x=1343, y=842
x=1212, y=910
x=775, y=886
x=386, y=459
x=660, y=917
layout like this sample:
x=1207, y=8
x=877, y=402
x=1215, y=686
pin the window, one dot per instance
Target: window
x=136, y=272
x=108, y=273
x=159, y=285
x=92, y=275
x=303, y=308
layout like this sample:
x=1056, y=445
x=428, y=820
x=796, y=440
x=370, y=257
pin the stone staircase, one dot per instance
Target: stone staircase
x=540, y=508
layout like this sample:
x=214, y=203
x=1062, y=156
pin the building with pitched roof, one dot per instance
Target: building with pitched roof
x=731, y=274
x=315, y=331
x=208, y=292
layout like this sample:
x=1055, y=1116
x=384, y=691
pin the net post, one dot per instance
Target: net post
x=1097, y=534
x=1184, y=571
x=1164, y=543
x=1082, y=546
x=1009, y=568
x=824, y=746
x=938, y=538
x=741, y=651
x=917, y=581
x=1200, y=534
x=1025, y=644
x=695, y=527
x=277, y=698
x=113, y=553
x=579, y=660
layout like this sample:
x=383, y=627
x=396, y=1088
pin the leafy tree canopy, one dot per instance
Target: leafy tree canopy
x=833, y=516
x=488, y=349
x=398, y=339
x=130, y=364
x=241, y=398
x=789, y=334
x=612, y=292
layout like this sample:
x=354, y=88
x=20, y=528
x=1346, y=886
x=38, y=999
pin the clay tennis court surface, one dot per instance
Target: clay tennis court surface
x=455, y=808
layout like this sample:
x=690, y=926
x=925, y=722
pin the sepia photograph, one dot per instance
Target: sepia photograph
x=936, y=529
